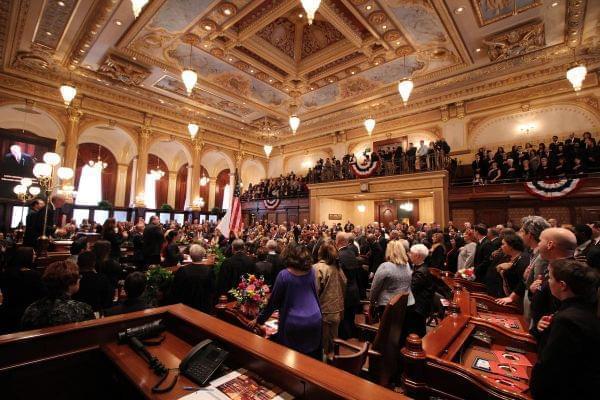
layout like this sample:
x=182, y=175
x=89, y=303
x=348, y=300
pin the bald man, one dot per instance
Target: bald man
x=555, y=244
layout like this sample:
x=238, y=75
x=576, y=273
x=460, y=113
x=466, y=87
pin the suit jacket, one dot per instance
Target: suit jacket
x=231, y=271
x=481, y=262
x=376, y=256
x=438, y=257
x=423, y=287
x=194, y=286
x=567, y=365
x=277, y=263
x=95, y=289
x=34, y=225
x=24, y=167
x=153, y=240
x=351, y=267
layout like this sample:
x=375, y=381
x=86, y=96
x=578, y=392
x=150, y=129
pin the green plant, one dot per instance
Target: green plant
x=166, y=207
x=105, y=205
x=159, y=281
x=219, y=258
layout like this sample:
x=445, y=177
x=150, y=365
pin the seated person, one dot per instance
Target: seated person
x=94, y=287
x=569, y=348
x=76, y=248
x=135, y=284
x=194, y=284
x=62, y=281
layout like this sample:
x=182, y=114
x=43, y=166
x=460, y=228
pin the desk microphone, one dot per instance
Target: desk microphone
x=141, y=332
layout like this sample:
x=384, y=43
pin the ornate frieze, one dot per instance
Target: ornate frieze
x=515, y=41
x=123, y=71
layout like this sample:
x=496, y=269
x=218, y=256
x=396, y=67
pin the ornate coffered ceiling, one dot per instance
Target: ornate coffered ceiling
x=260, y=58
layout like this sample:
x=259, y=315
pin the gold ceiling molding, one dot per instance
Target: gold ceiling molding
x=4, y=21
x=123, y=71
x=498, y=5
x=575, y=17
x=515, y=41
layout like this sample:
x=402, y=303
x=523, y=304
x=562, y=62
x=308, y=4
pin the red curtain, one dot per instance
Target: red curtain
x=222, y=180
x=162, y=185
x=90, y=151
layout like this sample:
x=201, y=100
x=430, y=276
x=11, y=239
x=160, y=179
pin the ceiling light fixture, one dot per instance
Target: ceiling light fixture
x=477, y=50
x=118, y=22
x=405, y=87
x=189, y=76
x=68, y=92
x=554, y=4
x=61, y=3
x=98, y=163
x=294, y=123
x=268, y=149
x=137, y=6
x=459, y=10
x=193, y=129
x=310, y=7
x=576, y=73
x=369, y=125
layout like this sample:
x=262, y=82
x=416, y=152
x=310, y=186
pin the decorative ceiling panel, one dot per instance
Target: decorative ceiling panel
x=280, y=33
x=53, y=22
x=317, y=36
x=490, y=11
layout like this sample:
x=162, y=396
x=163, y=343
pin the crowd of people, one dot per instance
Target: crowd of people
x=318, y=275
x=290, y=185
x=392, y=160
x=572, y=157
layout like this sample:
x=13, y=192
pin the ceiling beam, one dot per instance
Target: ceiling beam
x=269, y=52
x=251, y=61
x=279, y=10
x=333, y=18
x=366, y=24
x=325, y=56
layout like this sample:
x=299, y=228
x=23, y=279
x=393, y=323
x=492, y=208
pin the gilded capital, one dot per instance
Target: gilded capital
x=198, y=145
x=74, y=114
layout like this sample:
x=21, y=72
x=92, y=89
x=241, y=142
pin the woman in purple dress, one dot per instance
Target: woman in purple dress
x=294, y=294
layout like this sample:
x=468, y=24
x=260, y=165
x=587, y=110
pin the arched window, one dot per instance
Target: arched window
x=89, y=191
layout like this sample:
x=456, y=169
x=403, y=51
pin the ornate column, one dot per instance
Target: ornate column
x=121, y=182
x=212, y=190
x=142, y=162
x=172, y=188
x=133, y=182
x=188, y=188
x=196, y=168
x=74, y=114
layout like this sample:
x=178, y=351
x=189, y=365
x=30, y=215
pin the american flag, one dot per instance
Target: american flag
x=232, y=221
x=236, y=207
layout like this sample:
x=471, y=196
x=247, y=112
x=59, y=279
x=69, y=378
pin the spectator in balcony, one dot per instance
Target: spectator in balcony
x=526, y=171
x=422, y=154
x=494, y=173
x=544, y=171
x=578, y=167
x=499, y=156
x=511, y=173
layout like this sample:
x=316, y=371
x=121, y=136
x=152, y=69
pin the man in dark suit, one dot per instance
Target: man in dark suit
x=274, y=258
x=233, y=268
x=34, y=223
x=494, y=237
x=18, y=163
x=153, y=239
x=483, y=252
x=194, y=284
x=376, y=253
x=569, y=346
x=351, y=267
x=349, y=227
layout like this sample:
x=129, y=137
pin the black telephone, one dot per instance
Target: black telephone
x=202, y=361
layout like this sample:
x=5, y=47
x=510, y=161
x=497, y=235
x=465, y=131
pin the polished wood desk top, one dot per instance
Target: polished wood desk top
x=294, y=372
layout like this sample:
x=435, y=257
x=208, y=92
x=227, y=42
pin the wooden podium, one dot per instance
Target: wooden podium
x=84, y=361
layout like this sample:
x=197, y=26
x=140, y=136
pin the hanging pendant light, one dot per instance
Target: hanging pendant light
x=98, y=163
x=137, y=5
x=369, y=125
x=193, y=129
x=189, y=76
x=294, y=123
x=576, y=73
x=268, y=149
x=68, y=93
x=311, y=7
x=405, y=86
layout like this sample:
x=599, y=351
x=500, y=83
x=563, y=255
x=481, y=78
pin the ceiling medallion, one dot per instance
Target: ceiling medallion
x=208, y=25
x=392, y=36
x=377, y=17
x=227, y=9
x=404, y=51
x=217, y=52
x=352, y=70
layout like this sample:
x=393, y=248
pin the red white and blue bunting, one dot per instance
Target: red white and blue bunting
x=551, y=189
x=271, y=204
x=365, y=169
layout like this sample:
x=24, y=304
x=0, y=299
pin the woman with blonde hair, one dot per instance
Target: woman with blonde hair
x=438, y=251
x=392, y=277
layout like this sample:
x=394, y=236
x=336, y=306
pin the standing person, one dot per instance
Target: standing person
x=264, y=268
x=234, y=267
x=511, y=272
x=351, y=268
x=110, y=233
x=194, y=284
x=34, y=223
x=466, y=254
x=483, y=252
x=331, y=285
x=569, y=347
x=295, y=296
x=423, y=289
x=21, y=285
x=62, y=281
x=152, y=241
x=392, y=277
x=438, y=252
x=172, y=255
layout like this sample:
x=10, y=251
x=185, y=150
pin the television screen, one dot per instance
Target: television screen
x=20, y=151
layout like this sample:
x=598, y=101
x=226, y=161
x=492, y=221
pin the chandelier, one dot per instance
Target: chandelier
x=98, y=163
x=189, y=76
x=268, y=133
x=311, y=7
x=405, y=86
x=193, y=129
x=576, y=73
x=407, y=206
x=157, y=173
x=137, y=5
x=268, y=149
x=203, y=180
x=294, y=123
x=369, y=125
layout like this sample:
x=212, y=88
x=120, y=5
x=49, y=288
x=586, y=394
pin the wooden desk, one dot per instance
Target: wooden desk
x=297, y=374
x=440, y=364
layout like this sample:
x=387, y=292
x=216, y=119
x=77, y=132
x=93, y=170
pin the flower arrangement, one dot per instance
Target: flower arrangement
x=251, y=294
x=468, y=274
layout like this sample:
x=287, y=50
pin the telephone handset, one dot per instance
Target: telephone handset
x=202, y=361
